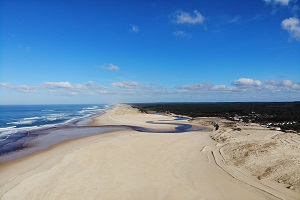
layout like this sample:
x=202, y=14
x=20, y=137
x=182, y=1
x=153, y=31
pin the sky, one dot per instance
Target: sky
x=116, y=51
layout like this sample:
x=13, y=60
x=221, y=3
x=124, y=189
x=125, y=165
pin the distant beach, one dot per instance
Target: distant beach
x=132, y=164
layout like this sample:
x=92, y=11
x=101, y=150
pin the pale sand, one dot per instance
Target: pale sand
x=133, y=165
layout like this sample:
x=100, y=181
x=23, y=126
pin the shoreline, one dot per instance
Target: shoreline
x=42, y=138
x=63, y=144
x=140, y=165
x=19, y=141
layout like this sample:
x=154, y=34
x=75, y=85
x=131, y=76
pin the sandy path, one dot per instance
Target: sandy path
x=131, y=165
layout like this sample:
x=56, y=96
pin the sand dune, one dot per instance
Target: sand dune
x=133, y=165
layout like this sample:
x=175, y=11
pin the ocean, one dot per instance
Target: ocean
x=15, y=118
x=35, y=127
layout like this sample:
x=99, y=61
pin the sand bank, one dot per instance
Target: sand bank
x=134, y=165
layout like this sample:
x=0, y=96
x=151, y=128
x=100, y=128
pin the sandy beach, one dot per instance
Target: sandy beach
x=238, y=161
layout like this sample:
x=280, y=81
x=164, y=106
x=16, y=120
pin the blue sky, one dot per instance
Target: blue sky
x=149, y=51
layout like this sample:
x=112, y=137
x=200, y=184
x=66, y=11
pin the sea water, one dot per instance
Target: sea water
x=14, y=117
x=20, y=123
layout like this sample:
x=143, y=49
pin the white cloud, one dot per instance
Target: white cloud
x=296, y=86
x=209, y=88
x=58, y=88
x=280, y=83
x=92, y=85
x=285, y=84
x=282, y=2
x=111, y=67
x=182, y=34
x=219, y=87
x=70, y=93
x=134, y=29
x=126, y=85
x=244, y=86
x=73, y=89
x=5, y=85
x=292, y=26
x=187, y=18
x=197, y=86
x=247, y=82
x=67, y=85
x=26, y=88
x=20, y=88
x=107, y=92
x=272, y=83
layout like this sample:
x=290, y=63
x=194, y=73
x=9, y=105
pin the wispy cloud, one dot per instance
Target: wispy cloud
x=127, y=85
x=182, y=34
x=181, y=17
x=66, y=85
x=206, y=85
x=295, y=9
x=233, y=20
x=134, y=29
x=90, y=85
x=281, y=2
x=111, y=67
x=219, y=87
x=20, y=88
x=56, y=88
x=292, y=25
x=291, y=5
x=246, y=87
x=280, y=83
